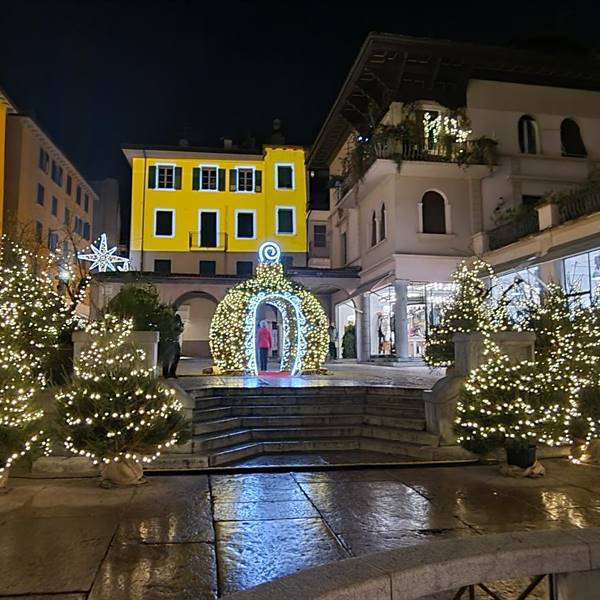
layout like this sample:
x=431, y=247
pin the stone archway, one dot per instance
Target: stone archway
x=196, y=309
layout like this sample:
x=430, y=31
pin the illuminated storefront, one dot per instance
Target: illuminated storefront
x=582, y=276
x=423, y=305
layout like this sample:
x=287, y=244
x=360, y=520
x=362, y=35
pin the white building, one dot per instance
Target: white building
x=415, y=198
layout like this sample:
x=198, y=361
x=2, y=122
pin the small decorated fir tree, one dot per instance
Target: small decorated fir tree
x=114, y=410
x=468, y=310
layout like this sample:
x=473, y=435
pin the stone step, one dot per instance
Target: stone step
x=329, y=390
x=216, y=402
x=396, y=447
x=225, y=439
x=217, y=425
x=387, y=421
x=274, y=410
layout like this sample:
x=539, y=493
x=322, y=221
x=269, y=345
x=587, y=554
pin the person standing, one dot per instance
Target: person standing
x=265, y=342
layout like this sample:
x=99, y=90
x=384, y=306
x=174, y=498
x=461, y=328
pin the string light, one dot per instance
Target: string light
x=114, y=409
x=233, y=328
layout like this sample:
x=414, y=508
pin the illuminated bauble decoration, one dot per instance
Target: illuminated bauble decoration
x=305, y=337
x=103, y=258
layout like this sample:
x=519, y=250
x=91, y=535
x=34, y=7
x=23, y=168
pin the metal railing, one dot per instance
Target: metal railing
x=207, y=242
x=578, y=204
x=512, y=231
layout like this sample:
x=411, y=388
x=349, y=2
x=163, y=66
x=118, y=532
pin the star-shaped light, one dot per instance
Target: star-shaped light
x=104, y=258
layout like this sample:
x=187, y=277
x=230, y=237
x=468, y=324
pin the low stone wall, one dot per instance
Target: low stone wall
x=572, y=556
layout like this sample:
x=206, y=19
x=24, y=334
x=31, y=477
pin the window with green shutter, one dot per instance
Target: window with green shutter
x=221, y=180
x=196, y=178
x=151, y=178
x=232, y=180
x=258, y=181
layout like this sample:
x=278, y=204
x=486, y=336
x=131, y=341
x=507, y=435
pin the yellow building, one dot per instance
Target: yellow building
x=203, y=211
x=6, y=107
x=45, y=195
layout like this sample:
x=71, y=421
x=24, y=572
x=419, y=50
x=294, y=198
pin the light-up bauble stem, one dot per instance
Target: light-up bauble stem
x=269, y=253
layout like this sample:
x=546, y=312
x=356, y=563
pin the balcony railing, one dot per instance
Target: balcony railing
x=578, y=204
x=514, y=230
x=208, y=242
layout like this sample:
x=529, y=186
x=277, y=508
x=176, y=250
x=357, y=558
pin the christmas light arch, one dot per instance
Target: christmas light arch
x=304, y=322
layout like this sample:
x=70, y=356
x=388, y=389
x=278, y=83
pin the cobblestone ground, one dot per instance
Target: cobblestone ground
x=202, y=537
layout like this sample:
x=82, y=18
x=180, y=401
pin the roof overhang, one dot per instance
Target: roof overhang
x=405, y=69
x=6, y=101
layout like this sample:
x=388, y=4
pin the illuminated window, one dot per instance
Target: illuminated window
x=582, y=276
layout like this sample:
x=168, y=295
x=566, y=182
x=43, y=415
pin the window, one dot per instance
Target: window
x=57, y=173
x=245, y=179
x=209, y=229
x=320, y=236
x=373, y=229
x=86, y=203
x=165, y=177
x=52, y=240
x=86, y=231
x=582, y=276
x=344, y=248
x=44, y=161
x=284, y=177
x=78, y=195
x=162, y=266
x=39, y=230
x=164, y=222
x=570, y=139
x=244, y=267
x=382, y=224
x=54, y=205
x=40, y=194
x=528, y=135
x=69, y=184
x=67, y=219
x=78, y=226
x=434, y=213
x=207, y=267
x=209, y=179
x=244, y=224
x=286, y=220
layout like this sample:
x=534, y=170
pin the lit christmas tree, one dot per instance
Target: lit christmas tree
x=114, y=410
x=468, y=310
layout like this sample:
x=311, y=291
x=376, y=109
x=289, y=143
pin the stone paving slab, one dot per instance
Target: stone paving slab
x=52, y=555
x=157, y=572
x=263, y=511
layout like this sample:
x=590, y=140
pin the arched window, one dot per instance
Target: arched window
x=528, y=135
x=434, y=213
x=373, y=229
x=382, y=232
x=570, y=139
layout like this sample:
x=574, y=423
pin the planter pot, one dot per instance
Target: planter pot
x=521, y=456
x=123, y=472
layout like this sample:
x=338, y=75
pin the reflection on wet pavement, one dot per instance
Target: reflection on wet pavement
x=205, y=536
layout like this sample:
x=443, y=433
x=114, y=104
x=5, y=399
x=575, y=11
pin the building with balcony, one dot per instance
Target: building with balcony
x=439, y=151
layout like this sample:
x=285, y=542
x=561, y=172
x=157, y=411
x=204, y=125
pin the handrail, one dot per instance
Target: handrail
x=425, y=569
x=514, y=230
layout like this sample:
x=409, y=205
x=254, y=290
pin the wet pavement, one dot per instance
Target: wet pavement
x=204, y=536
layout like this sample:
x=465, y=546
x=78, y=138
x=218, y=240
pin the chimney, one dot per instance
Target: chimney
x=227, y=143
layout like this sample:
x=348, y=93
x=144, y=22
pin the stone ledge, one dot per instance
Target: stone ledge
x=425, y=569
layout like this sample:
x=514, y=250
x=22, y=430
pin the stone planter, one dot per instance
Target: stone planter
x=523, y=456
x=122, y=472
x=144, y=340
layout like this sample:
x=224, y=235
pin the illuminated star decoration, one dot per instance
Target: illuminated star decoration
x=104, y=258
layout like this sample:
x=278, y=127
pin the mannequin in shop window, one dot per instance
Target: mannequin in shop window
x=384, y=331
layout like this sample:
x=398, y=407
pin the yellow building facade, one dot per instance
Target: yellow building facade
x=207, y=211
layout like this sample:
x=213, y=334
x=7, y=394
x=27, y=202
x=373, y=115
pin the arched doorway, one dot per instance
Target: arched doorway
x=196, y=309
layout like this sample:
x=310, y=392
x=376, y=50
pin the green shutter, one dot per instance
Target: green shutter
x=221, y=180
x=196, y=178
x=177, y=178
x=258, y=181
x=151, y=178
x=232, y=180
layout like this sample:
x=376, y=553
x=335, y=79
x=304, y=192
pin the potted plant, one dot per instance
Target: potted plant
x=113, y=410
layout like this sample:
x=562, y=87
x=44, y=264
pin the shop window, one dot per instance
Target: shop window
x=373, y=229
x=434, y=213
x=528, y=135
x=382, y=224
x=162, y=266
x=582, y=277
x=570, y=139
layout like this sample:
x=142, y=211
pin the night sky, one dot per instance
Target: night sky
x=98, y=74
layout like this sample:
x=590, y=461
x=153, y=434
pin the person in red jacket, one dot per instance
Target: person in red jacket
x=265, y=342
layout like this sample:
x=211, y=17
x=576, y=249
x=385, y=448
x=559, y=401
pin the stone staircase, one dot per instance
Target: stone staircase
x=230, y=424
